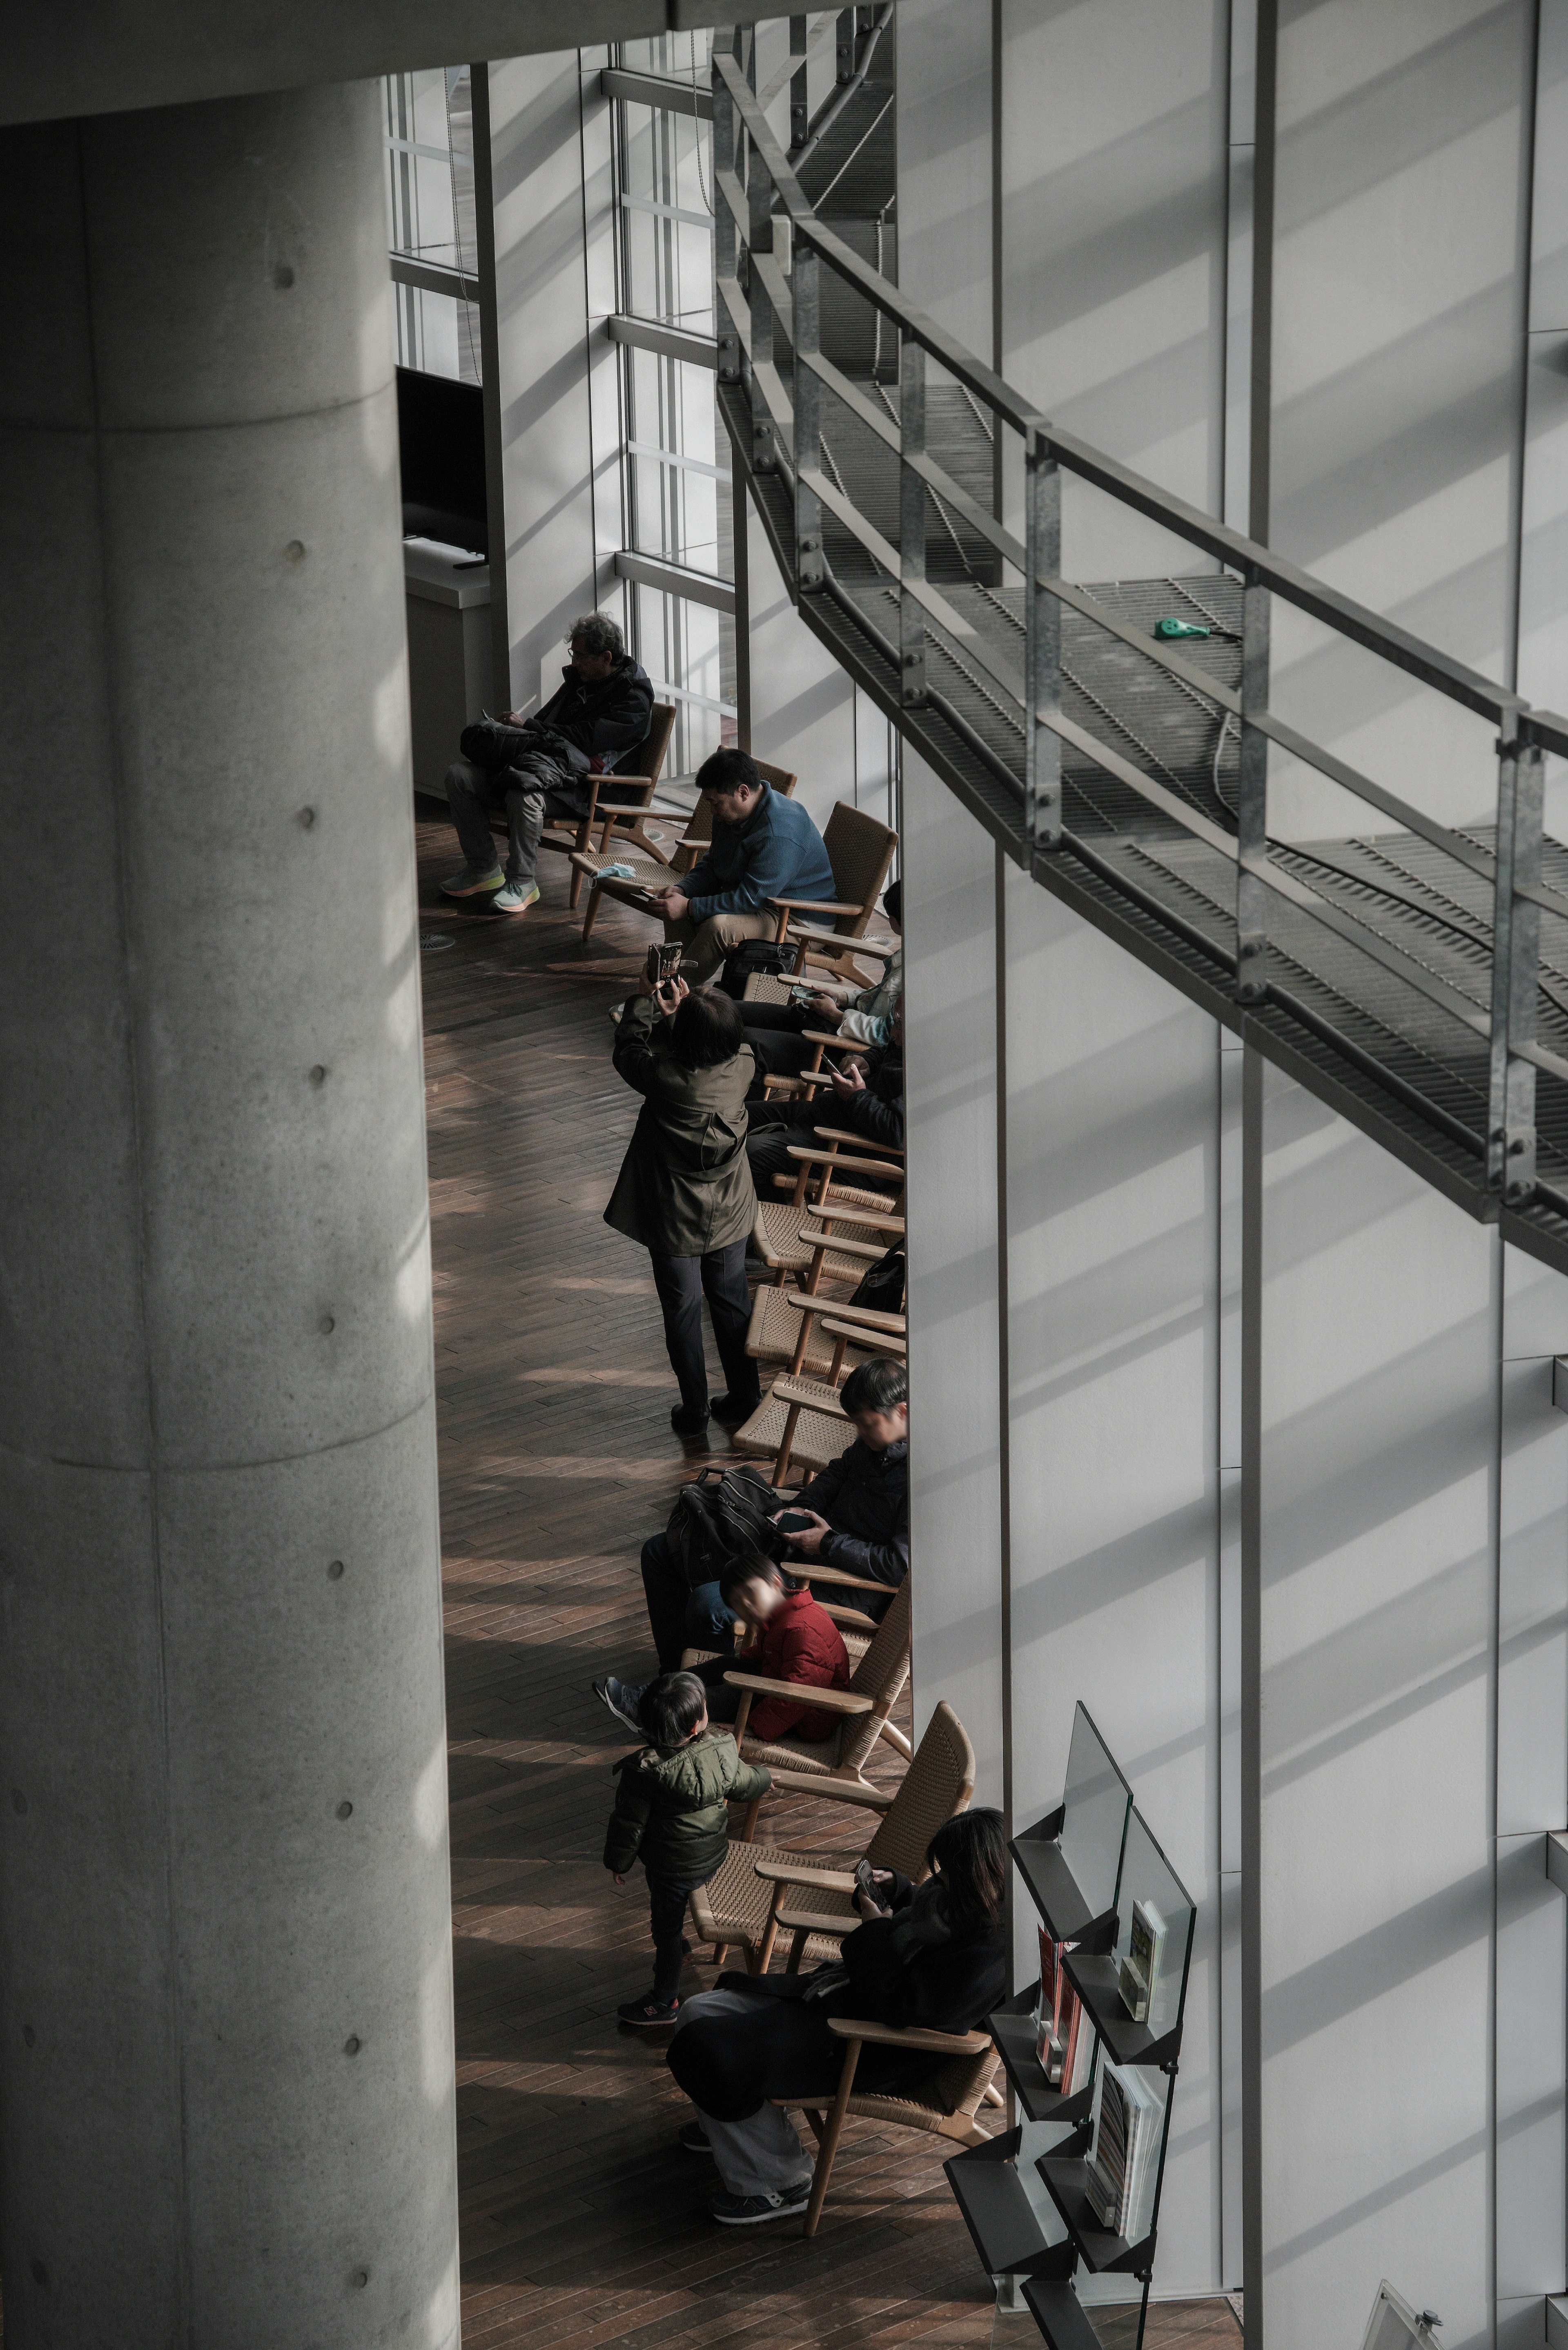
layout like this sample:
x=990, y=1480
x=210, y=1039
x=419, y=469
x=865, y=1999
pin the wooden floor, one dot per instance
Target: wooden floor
x=582, y=2222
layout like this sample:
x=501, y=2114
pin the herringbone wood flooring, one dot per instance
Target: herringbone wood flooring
x=581, y=2222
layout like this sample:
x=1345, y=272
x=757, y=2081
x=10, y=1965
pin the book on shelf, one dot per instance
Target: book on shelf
x=1064, y=2048
x=1137, y=1979
x=1124, y=2152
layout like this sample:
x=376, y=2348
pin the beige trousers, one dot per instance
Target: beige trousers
x=707, y=943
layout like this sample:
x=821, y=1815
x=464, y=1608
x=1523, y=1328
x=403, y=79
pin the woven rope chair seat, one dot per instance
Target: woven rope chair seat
x=768, y=987
x=781, y=1222
x=819, y=1436
x=647, y=872
x=733, y=1905
x=774, y=1333
x=819, y=1756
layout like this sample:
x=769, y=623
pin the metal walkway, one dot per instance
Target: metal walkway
x=1416, y=978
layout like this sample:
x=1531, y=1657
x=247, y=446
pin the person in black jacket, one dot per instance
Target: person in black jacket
x=860, y=1505
x=930, y=1955
x=538, y=766
x=868, y=1099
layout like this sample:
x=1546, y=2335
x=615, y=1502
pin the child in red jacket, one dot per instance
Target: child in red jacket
x=791, y=1637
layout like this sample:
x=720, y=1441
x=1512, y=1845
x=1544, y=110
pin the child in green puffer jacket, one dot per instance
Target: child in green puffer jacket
x=670, y=1813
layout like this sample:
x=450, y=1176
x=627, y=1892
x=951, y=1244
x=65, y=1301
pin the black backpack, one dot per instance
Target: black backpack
x=882, y=1287
x=719, y=1514
x=756, y=954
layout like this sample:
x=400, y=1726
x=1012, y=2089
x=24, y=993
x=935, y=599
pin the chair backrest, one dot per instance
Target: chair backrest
x=880, y=1675
x=648, y=758
x=859, y=850
x=939, y=1783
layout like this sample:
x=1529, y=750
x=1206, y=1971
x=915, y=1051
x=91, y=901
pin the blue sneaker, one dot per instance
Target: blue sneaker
x=623, y=1701
x=748, y=2210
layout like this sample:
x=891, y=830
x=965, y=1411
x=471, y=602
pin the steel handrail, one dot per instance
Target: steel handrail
x=769, y=246
x=1230, y=547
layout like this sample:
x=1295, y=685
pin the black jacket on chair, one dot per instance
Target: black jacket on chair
x=865, y=1497
x=729, y=2066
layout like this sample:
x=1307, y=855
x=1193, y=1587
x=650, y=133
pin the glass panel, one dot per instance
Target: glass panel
x=679, y=472
x=681, y=647
x=428, y=135
x=1153, y=1932
x=1095, y=1801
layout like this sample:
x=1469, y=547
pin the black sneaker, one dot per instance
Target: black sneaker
x=687, y=1423
x=750, y=2210
x=623, y=1701
x=729, y=1413
x=693, y=2139
x=649, y=2012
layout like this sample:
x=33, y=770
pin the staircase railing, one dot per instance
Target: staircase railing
x=769, y=251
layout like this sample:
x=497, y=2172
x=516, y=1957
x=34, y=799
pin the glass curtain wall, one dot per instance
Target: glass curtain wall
x=430, y=217
x=678, y=493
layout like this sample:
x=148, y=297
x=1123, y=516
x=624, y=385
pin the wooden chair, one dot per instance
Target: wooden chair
x=762, y=987
x=652, y=868
x=618, y=807
x=778, y=1230
x=798, y=1764
x=800, y=1342
x=945, y=2103
x=828, y=1243
x=759, y=1890
x=800, y=1421
x=860, y=850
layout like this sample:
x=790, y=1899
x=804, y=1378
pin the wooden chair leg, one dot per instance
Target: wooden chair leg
x=594, y=896
x=577, y=885
x=815, y=2121
x=829, y=2146
x=764, y=1950
x=749, y=1825
x=797, y=1949
x=781, y=1465
x=721, y=1952
x=896, y=1739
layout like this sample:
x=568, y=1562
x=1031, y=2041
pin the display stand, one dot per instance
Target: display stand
x=1024, y=2195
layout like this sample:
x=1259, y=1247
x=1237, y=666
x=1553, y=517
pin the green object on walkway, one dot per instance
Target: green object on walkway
x=1178, y=628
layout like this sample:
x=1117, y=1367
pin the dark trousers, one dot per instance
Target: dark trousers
x=667, y=1902
x=773, y=1032
x=682, y=1283
x=527, y=794
x=678, y=1617
x=768, y=1148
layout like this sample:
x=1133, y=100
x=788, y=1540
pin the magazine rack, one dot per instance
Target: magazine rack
x=1024, y=2195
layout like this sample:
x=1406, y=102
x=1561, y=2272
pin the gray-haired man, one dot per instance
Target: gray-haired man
x=538, y=766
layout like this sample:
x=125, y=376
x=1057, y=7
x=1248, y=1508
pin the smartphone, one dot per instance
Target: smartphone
x=795, y=1521
x=663, y=963
x=864, y=1884
x=800, y=995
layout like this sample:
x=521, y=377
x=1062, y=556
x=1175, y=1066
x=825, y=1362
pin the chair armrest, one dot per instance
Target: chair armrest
x=888, y=1339
x=869, y=1314
x=814, y=1921
x=820, y=905
x=850, y=1615
x=835, y=1158
x=874, y=1217
x=832, y=1791
x=821, y=1881
x=868, y=1252
x=813, y=936
x=841, y=1134
x=818, y=1036
x=810, y=1395
x=831, y=1701
x=809, y=1567
x=910, y=2036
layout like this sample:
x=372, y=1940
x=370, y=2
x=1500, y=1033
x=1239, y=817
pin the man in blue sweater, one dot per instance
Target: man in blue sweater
x=763, y=848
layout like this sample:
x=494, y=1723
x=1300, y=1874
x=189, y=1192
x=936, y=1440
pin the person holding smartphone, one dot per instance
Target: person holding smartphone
x=684, y=1190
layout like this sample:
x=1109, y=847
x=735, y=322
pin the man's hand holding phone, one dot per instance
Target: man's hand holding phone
x=850, y=1080
x=871, y=1885
x=807, y=1538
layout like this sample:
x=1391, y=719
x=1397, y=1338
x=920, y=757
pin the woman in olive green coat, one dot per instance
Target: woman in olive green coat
x=685, y=1191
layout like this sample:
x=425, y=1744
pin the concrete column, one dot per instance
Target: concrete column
x=224, y=1974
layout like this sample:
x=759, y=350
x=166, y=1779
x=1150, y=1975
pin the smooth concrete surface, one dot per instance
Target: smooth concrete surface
x=946, y=152
x=955, y=1399
x=224, y=1974
x=1378, y=1313
x=1112, y=1194
x=77, y=58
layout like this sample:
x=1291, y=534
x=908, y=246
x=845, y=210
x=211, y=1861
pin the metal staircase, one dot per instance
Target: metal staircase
x=1417, y=980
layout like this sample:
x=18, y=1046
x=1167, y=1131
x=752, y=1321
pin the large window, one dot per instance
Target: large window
x=678, y=503
x=430, y=219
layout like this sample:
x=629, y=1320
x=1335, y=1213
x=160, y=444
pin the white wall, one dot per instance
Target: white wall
x=950, y=895
x=801, y=703
x=1377, y=1357
x=1397, y=399
x=1114, y=226
x=1113, y=1189
x=945, y=150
